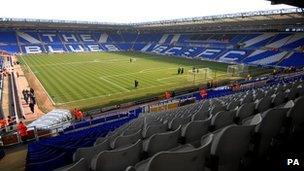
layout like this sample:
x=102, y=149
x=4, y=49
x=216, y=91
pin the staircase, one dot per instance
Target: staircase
x=258, y=39
x=28, y=38
x=163, y=39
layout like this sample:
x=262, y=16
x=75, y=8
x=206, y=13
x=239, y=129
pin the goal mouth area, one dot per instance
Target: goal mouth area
x=199, y=74
x=237, y=70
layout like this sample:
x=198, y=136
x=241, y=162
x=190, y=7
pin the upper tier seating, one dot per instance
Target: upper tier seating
x=275, y=49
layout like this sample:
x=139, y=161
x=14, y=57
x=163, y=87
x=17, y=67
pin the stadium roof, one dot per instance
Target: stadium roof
x=297, y=3
x=270, y=20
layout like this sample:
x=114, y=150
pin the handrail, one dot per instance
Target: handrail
x=53, y=130
x=18, y=98
x=1, y=86
x=15, y=111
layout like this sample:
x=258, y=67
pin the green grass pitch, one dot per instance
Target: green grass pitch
x=96, y=79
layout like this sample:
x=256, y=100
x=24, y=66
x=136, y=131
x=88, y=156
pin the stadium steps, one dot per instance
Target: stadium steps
x=123, y=39
x=103, y=38
x=175, y=38
x=220, y=55
x=146, y=47
x=254, y=53
x=81, y=42
x=289, y=54
x=18, y=42
x=210, y=37
x=295, y=60
x=242, y=39
x=279, y=43
x=290, y=43
x=270, y=40
x=258, y=39
x=163, y=38
x=63, y=44
x=270, y=60
x=133, y=43
x=28, y=38
x=42, y=44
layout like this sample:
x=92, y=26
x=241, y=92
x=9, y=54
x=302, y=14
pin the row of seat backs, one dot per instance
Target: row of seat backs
x=92, y=155
x=220, y=120
x=193, y=159
x=136, y=136
x=268, y=117
x=244, y=105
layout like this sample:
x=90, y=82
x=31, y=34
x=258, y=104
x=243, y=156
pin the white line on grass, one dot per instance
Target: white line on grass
x=127, y=90
x=39, y=82
x=166, y=78
x=155, y=69
x=140, y=72
x=105, y=95
x=81, y=62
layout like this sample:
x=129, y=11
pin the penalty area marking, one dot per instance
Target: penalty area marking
x=166, y=78
x=127, y=90
x=107, y=95
x=155, y=69
x=139, y=72
x=95, y=97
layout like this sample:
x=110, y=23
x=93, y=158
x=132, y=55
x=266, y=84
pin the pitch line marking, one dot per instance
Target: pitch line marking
x=166, y=78
x=82, y=62
x=95, y=97
x=104, y=95
x=156, y=69
x=140, y=72
x=47, y=93
x=127, y=90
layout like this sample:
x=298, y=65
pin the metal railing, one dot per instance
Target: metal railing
x=10, y=136
x=224, y=16
x=51, y=130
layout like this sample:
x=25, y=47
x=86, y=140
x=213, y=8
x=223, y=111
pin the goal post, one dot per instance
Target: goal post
x=237, y=70
x=199, y=74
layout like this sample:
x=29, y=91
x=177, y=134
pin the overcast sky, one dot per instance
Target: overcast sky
x=126, y=11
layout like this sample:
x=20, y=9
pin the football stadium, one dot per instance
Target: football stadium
x=193, y=91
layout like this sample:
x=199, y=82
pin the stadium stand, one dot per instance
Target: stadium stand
x=65, y=145
x=274, y=49
x=201, y=133
x=200, y=129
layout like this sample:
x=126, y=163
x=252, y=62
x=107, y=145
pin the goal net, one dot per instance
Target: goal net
x=199, y=74
x=237, y=70
x=132, y=59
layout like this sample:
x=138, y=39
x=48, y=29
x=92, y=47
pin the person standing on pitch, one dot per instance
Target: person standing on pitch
x=135, y=83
